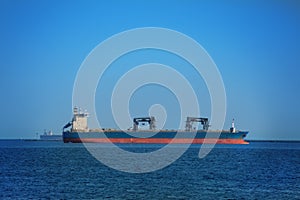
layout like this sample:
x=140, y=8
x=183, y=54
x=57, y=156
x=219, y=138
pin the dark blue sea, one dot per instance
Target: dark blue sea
x=54, y=170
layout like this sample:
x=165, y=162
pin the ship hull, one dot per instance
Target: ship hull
x=163, y=137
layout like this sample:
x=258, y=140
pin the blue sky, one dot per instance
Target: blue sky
x=255, y=45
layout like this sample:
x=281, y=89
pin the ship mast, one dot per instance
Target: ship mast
x=232, y=129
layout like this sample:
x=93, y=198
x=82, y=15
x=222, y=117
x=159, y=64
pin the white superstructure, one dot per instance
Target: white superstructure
x=79, y=121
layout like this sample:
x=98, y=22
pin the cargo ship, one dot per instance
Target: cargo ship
x=49, y=136
x=77, y=131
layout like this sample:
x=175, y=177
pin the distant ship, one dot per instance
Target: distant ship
x=79, y=132
x=49, y=136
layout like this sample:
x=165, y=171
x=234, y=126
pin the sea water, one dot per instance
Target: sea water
x=54, y=170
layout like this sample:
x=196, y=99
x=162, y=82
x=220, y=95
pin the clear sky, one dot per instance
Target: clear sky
x=255, y=44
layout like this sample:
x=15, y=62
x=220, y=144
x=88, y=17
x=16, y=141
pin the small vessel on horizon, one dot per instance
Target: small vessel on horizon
x=49, y=136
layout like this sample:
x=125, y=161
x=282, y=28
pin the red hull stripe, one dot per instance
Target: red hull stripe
x=156, y=140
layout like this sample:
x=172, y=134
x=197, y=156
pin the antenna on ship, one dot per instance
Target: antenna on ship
x=75, y=110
